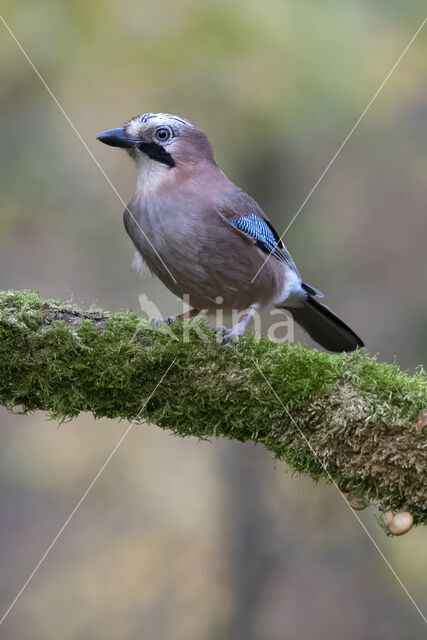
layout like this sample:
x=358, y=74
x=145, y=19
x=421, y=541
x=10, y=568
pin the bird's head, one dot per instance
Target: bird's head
x=161, y=138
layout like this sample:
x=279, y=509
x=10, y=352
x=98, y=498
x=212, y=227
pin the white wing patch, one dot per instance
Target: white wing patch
x=140, y=266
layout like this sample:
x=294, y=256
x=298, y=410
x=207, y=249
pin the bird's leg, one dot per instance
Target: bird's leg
x=156, y=322
x=240, y=327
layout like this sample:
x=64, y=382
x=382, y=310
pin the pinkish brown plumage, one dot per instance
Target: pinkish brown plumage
x=207, y=239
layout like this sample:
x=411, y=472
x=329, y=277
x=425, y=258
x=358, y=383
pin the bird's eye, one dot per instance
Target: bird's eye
x=163, y=134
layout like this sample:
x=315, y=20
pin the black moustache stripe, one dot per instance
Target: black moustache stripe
x=157, y=152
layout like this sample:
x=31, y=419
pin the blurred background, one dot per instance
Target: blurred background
x=180, y=539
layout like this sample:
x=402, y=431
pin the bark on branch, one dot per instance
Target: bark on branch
x=359, y=416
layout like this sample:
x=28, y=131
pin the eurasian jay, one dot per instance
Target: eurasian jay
x=208, y=240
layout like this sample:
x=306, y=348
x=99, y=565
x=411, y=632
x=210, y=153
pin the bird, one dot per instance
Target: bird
x=206, y=239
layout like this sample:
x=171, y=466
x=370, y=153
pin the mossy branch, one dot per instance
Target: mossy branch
x=358, y=415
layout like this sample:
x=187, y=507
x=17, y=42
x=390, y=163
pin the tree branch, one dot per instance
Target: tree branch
x=357, y=415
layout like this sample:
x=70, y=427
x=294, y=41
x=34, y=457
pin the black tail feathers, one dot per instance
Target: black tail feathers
x=324, y=326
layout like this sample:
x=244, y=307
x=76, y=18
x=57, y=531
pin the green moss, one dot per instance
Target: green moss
x=357, y=414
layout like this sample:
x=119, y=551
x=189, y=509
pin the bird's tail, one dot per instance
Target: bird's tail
x=322, y=325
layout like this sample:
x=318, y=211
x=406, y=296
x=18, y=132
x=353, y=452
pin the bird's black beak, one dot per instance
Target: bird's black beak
x=117, y=138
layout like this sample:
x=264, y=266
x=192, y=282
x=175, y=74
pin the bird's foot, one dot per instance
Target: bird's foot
x=158, y=322
x=231, y=335
x=239, y=329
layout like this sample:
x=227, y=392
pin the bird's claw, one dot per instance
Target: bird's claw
x=158, y=322
x=228, y=336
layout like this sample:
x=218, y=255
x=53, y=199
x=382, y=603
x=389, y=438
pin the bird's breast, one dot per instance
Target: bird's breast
x=198, y=255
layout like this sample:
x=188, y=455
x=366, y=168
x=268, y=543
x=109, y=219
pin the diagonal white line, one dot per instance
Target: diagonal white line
x=74, y=511
x=344, y=142
x=74, y=128
x=399, y=580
